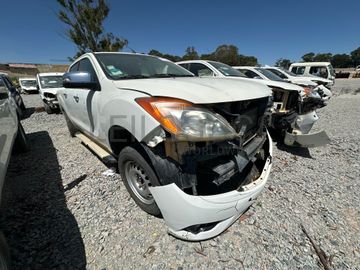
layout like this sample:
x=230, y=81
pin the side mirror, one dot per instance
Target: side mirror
x=80, y=79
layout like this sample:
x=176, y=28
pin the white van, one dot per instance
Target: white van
x=320, y=69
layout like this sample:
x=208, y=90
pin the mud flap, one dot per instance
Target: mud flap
x=307, y=140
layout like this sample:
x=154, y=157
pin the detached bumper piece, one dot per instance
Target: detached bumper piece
x=307, y=140
x=196, y=217
x=300, y=135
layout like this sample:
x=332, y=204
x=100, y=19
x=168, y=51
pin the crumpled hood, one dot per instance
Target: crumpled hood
x=198, y=90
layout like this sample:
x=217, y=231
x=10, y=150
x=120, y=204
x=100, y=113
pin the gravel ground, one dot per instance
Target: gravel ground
x=59, y=211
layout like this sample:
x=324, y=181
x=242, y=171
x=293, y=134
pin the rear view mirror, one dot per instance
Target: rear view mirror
x=79, y=79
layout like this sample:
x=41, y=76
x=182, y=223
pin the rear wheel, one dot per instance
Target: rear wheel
x=138, y=176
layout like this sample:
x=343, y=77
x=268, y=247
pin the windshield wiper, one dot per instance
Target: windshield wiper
x=132, y=77
x=170, y=75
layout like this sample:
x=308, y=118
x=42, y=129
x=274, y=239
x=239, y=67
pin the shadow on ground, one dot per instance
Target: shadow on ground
x=41, y=231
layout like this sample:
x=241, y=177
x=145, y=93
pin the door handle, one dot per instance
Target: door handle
x=76, y=98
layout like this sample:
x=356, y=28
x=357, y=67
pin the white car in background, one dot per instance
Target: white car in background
x=28, y=85
x=293, y=112
x=49, y=84
x=264, y=74
x=320, y=69
x=194, y=150
x=297, y=79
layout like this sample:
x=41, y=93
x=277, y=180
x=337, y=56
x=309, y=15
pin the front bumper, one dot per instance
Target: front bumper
x=181, y=211
x=300, y=135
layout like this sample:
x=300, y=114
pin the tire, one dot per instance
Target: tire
x=48, y=109
x=72, y=129
x=21, y=143
x=137, y=176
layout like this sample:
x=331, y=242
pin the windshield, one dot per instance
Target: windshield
x=227, y=70
x=51, y=81
x=331, y=70
x=135, y=66
x=269, y=75
x=28, y=83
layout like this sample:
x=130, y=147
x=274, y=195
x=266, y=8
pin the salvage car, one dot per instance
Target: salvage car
x=49, y=84
x=293, y=112
x=298, y=79
x=14, y=94
x=28, y=85
x=194, y=150
x=319, y=69
x=264, y=74
x=12, y=135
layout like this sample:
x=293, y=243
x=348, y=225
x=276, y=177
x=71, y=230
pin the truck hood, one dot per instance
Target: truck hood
x=198, y=90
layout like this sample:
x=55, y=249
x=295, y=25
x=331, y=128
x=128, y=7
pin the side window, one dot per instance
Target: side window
x=85, y=65
x=276, y=72
x=319, y=71
x=74, y=67
x=186, y=66
x=298, y=70
x=250, y=74
x=200, y=70
x=3, y=90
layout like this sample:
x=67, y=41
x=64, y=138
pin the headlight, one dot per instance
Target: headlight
x=186, y=120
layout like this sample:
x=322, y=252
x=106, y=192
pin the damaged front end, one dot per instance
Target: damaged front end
x=206, y=184
x=294, y=114
x=51, y=100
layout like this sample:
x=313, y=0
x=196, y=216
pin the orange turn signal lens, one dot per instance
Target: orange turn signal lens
x=161, y=108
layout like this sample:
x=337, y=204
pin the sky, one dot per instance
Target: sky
x=31, y=32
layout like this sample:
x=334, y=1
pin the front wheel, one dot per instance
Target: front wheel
x=138, y=176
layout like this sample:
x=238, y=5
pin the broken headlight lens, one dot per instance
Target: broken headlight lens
x=186, y=120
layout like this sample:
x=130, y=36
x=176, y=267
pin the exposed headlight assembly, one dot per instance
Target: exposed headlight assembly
x=187, y=121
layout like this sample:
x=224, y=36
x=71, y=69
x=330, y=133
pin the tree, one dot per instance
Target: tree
x=322, y=57
x=85, y=21
x=284, y=63
x=308, y=57
x=355, y=56
x=191, y=54
x=227, y=54
x=341, y=61
x=170, y=57
x=244, y=60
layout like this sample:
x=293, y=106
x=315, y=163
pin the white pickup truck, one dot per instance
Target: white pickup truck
x=194, y=150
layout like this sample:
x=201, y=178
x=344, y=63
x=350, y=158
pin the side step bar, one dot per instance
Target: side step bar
x=103, y=154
